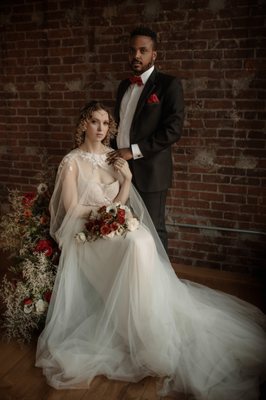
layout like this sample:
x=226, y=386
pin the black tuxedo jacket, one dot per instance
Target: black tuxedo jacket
x=156, y=125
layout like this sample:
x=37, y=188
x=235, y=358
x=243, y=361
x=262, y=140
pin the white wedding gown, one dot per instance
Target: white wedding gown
x=119, y=310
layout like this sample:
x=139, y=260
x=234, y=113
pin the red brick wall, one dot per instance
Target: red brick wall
x=57, y=54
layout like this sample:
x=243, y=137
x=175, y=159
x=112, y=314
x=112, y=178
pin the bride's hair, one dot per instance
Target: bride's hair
x=85, y=115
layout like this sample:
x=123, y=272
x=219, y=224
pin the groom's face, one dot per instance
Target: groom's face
x=141, y=54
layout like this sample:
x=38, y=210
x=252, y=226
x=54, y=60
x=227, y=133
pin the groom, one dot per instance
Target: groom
x=149, y=111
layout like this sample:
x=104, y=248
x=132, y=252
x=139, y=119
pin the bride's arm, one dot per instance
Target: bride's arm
x=70, y=194
x=121, y=166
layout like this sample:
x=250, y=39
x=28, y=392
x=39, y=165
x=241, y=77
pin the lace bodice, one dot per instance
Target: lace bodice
x=95, y=181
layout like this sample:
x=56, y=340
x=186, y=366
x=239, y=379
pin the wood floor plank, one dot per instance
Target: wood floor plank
x=135, y=390
x=53, y=394
x=11, y=353
x=24, y=381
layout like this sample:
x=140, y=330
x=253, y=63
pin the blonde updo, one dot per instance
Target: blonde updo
x=85, y=115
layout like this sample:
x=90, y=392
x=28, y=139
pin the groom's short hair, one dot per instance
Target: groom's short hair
x=145, y=31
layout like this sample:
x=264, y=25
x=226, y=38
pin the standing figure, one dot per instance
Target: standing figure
x=149, y=111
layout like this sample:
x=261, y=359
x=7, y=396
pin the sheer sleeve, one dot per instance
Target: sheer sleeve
x=64, y=194
x=65, y=207
x=69, y=187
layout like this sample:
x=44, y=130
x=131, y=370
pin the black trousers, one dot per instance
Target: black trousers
x=155, y=203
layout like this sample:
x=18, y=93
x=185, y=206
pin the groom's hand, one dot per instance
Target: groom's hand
x=126, y=154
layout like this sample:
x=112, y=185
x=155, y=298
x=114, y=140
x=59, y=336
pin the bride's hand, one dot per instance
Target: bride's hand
x=121, y=166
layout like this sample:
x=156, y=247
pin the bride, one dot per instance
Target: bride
x=117, y=307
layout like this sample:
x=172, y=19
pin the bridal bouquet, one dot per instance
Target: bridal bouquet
x=107, y=222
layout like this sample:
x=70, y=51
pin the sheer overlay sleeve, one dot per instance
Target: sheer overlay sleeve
x=65, y=205
x=64, y=196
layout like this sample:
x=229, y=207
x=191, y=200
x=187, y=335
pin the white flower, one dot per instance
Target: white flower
x=80, y=237
x=28, y=308
x=41, y=306
x=112, y=209
x=110, y=235
x=120, y=231
x=132, y=224
x=42, y=188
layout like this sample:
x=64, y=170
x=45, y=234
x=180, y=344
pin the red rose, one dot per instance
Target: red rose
x=121, y=220
x=28, y=199
x=44, y=246
x=27, y=301
x=47, y=296
x=105, y=230
x=121, y=212
x=120, y=217
x=114, y=226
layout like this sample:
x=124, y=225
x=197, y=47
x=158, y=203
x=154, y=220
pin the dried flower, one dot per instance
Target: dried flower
x=41, y=306
x=25, y=232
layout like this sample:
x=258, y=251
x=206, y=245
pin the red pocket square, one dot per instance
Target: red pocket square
x=153, y=99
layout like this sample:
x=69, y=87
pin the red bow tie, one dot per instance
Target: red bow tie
x=136, y=80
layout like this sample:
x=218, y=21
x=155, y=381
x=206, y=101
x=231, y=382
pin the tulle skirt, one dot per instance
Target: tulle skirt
x=119, y=310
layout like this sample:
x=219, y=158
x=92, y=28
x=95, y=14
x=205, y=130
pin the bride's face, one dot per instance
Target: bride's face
x=97, y=126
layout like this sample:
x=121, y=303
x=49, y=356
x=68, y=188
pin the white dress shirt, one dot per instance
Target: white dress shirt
x=127, y=110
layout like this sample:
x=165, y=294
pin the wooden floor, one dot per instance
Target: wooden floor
x=21, y=380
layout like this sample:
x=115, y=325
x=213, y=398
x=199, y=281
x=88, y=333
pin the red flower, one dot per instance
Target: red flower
x=105, y=229
x=114, y=226
x=121, y=216
x=27, y=213
x=44, y=220
x=44, y=246
x=153, y=99
x=27, y=301
x=47, y=296
x=28, y=199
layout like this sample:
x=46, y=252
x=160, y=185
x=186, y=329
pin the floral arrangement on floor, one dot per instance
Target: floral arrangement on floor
x=26, y=289
x=108, y=221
